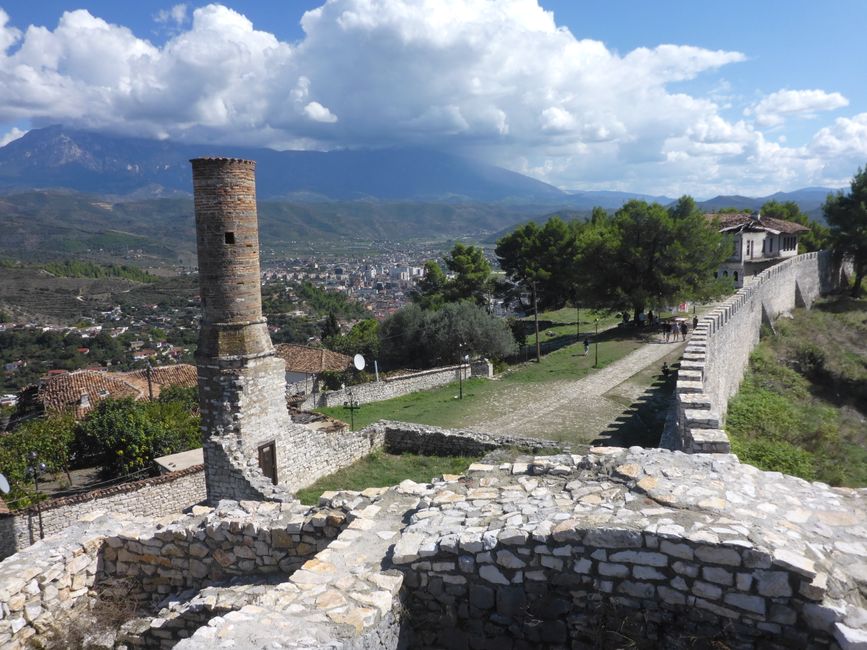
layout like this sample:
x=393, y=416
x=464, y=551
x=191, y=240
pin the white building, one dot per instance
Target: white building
x=759, y=242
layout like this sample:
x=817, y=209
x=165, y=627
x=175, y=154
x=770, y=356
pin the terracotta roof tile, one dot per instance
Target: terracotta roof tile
x=78, y=392
x=300, y=358
x=182, y=374
x=734, y=220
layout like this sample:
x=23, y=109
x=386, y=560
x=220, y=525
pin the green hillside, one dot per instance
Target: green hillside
x=802, y=408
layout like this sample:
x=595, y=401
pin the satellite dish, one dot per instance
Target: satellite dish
x=358, y=362
x=4, y=485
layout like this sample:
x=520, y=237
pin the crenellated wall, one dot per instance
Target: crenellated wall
x=718, y=353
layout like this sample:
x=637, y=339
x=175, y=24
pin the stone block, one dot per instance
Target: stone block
x=753, y=604
x=493, y=575
x=773, y=583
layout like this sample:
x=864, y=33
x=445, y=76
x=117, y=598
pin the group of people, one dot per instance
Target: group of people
x=671, y=329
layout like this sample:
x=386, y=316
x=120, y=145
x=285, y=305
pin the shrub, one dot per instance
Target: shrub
x=125, y=436
x=775, y=456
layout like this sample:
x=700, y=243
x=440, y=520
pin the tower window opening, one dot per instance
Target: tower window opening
x=230, y=237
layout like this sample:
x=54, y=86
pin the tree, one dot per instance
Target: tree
x=330, y=327
x=362, y=339
x=413, y=337
x=647, y=255
x=429, y=292
x=400, y=337
x=846, y=215
x=815, y=240
x=521, y=257
x=472, y=275
x=50, y=438
x=464, y=329
x=125, y=436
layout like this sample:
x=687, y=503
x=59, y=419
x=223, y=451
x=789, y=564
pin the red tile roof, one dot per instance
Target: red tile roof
x=301, y=358
x=78, y=392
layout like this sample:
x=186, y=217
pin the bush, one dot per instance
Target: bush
x=810, y=360
x=51, y=439
x=775, y=456
x=125, y=436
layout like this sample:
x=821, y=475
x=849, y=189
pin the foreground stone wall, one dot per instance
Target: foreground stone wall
x=403, y=384
x=150, y=560
x=652, y=546
x=718, y=353
x=159, y=496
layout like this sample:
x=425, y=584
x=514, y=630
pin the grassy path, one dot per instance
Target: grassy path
x=561, y=398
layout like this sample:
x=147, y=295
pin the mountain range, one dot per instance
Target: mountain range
x=70, y=192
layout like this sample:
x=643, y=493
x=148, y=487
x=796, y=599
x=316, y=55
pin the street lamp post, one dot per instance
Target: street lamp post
x=596, y=346
x=578, y=321
x=352, y=405
x=461, y=370
x=34, y=469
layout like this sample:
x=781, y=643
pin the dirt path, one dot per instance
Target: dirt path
x=577, y=410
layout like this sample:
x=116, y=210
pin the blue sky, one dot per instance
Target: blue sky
x=658, y=97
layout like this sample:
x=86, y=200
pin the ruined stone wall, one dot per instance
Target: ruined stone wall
x=717, y=356
x=101, y=551
x=402, y=385
x=614, y=546
x=159, y=496
x=404, y=437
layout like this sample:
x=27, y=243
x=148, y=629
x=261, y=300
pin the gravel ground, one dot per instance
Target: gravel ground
x=575, y=411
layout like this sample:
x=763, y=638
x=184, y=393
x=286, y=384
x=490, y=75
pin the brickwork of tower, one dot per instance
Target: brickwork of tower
x=241, y=381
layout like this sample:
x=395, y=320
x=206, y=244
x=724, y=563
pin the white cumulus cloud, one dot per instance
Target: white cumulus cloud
x=175, y=15
x=776, y=107
x=498, y=79
x=13, y=134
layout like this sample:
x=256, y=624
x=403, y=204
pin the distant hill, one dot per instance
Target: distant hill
x=97, y=163
x=610, y=200
x=47, y=225
x=809, y=199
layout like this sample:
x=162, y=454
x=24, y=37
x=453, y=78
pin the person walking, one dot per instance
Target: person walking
x=586, y=346
x=684, y=328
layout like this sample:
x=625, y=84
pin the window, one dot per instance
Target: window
x=725, y=274
x=736, y=276
x=268, y=461
x=750, y=248
x=770, y=245
x=230, y=237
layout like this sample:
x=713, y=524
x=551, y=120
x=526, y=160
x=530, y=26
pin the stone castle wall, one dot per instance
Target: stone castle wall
x=402, y=384
x=151, y=497
x=717, y=356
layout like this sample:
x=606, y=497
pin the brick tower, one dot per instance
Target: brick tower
x=242, y=383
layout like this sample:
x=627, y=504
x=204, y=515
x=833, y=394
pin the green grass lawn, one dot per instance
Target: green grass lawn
x=380, y=469
x=441, y=406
